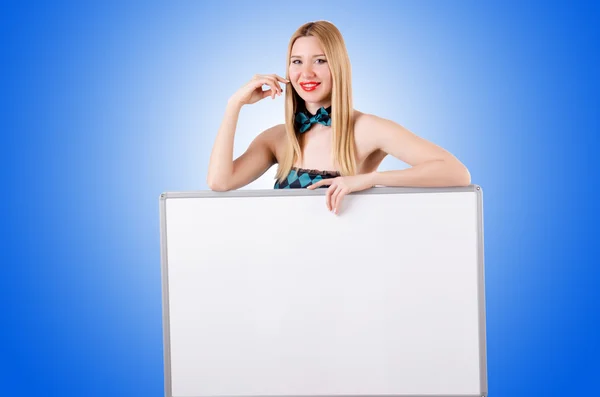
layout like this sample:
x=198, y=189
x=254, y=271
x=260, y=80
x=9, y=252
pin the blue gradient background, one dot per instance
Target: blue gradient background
x=105, y=106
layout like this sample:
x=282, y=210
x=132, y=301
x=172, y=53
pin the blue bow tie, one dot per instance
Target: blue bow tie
x=304, y=122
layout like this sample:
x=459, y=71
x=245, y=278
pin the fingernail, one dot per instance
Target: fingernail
x=335, y=211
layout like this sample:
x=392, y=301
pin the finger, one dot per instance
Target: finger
x=274, y=84
x=274, y=77
x=276, y=87
x=266, y=93
x=279, y=87
x=314, y=186
x=268, y=81
x=338, y=200
x=282, y=79
x=328, y=201
x=334, y=198
x=320, y=183
x=279, y=78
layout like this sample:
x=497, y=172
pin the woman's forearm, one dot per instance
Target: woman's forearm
x=437, y=173
x=220, y=167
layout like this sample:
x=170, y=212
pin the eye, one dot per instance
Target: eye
x=321, y=61
x=295, y=60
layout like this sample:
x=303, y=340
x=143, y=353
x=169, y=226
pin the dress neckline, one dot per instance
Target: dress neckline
x=317, y=172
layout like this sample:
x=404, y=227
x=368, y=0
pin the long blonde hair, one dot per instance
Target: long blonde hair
x=342, y=124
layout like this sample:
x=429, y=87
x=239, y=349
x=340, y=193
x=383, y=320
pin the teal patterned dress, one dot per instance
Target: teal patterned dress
x=299, y=178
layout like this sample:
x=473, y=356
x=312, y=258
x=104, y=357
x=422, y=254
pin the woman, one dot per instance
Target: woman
x=324, y=141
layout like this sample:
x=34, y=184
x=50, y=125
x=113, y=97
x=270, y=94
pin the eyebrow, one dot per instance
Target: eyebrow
x=314, y=56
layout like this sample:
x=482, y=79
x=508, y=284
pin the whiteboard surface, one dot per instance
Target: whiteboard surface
x=273, y=295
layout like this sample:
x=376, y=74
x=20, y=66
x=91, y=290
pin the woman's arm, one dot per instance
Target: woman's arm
x=226, y=174
x=431, y=165
x=220, y=167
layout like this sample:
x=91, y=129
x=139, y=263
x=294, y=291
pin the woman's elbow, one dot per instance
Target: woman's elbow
x=463, y=176
x=216, y=185
x=456, y=174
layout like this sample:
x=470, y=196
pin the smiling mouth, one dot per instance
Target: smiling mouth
x=309, y=86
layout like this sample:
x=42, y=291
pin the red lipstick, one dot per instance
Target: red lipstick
x=309, y=85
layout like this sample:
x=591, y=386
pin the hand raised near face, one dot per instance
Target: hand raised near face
x=252, y=91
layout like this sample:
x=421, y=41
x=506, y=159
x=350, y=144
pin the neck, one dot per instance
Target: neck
x=312, y=107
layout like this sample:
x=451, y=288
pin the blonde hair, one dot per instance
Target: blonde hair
x=342, y=124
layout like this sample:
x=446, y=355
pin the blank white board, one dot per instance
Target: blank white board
x=266, y=293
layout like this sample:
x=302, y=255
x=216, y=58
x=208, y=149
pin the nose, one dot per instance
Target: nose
x=307, y=70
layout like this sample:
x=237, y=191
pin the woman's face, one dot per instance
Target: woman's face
x=309, y=71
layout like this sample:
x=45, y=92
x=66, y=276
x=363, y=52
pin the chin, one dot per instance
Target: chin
x=307, y=97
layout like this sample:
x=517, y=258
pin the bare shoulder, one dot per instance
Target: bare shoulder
x=274, y=133
x=364, y=123
x=366, y=130
x=376, y=129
